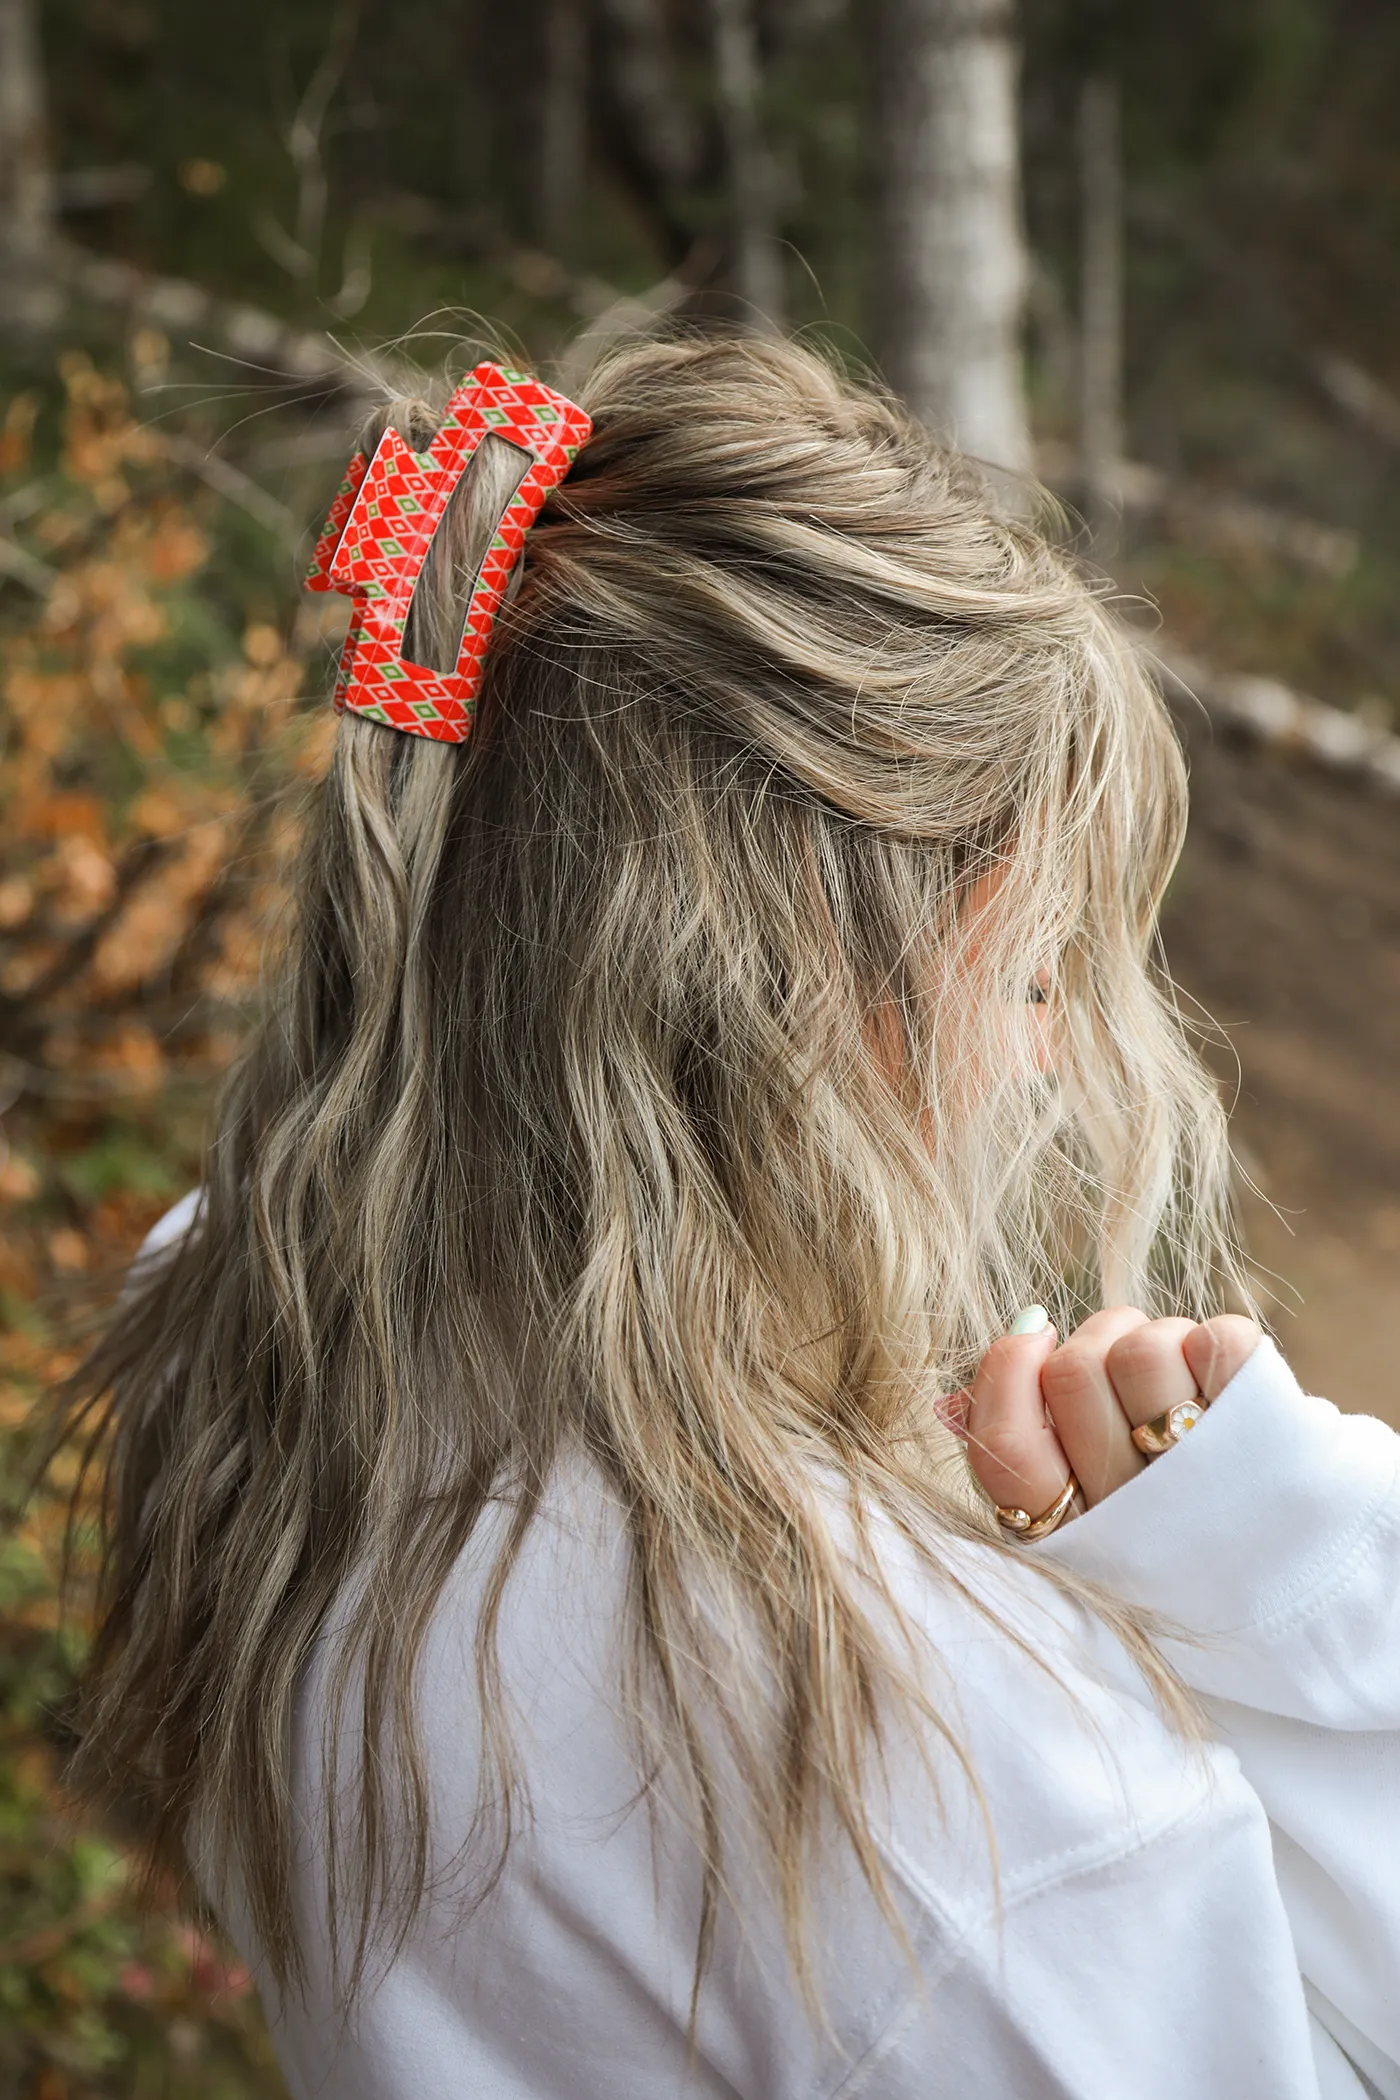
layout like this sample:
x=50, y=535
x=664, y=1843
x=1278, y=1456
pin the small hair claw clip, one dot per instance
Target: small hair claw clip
x=381, y=526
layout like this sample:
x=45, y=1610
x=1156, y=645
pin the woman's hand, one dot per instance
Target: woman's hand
x=1036, y=1413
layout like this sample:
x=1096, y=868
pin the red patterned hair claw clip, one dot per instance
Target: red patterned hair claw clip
x=381, y=525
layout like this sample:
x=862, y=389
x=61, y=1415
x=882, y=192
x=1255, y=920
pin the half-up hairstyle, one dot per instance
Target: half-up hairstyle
x=652, y=1076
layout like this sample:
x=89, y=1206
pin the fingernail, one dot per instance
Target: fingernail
x=1034, y=1320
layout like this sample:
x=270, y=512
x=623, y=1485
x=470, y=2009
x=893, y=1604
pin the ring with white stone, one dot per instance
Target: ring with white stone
x=1154, y=1437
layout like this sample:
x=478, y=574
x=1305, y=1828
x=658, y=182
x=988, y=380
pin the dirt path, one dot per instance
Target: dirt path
x=1284, y=923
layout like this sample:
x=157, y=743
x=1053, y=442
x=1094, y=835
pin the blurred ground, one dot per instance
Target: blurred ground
x=1284, y=923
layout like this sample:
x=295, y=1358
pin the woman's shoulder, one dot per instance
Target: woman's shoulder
x=1070, y=1764
x=1050, y=1744
x=1046, y=1730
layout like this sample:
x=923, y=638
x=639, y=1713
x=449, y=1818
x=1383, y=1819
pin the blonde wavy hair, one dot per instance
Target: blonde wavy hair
x=653, y=1076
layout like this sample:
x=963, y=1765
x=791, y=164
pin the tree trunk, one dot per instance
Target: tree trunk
x=562, y=125
x=758, y=265
x=26, y=184
x=653, y=139
x=1100, y=304
x=950, y=245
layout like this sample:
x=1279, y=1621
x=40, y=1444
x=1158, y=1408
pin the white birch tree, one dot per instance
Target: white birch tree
x=26, y=182
x=758, y=262
x=951, y=257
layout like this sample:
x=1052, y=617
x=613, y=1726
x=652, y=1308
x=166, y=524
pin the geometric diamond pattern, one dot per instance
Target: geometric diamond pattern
x=381, y=525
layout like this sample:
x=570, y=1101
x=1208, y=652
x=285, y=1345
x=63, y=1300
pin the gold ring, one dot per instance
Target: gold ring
x=1154, y=1437
x=1022, y=1525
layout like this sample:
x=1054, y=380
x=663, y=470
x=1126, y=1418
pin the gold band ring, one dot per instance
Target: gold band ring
x=1022, y=1525
x=1154, y=1437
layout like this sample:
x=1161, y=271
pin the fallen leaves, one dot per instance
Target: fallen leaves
x=140, y=704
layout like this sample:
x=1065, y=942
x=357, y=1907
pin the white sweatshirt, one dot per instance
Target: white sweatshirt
x=1168, y=1929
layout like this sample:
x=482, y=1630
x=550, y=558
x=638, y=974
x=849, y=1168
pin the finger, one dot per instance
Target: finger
x=951, y=1410
x=1148, y=1370
x=1218, y=1348
x=1090, y=1424
x=1012, y=1449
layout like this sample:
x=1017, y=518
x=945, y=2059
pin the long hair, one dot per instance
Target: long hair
x=652, y=1076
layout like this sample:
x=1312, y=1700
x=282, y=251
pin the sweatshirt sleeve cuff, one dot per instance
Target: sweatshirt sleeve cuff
x=1261, y=1505
x=164, y=1234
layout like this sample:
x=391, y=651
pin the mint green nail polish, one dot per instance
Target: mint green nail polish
x=1034, y=1320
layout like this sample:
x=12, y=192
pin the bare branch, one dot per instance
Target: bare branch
x=299, y=254
x=304, y=132
x=95, y=189
x=234, y=485
x=26, y=568
x=542, y=276
x=289, y=255
x=1276, y=716
x=356, y=276
x=302, y=448
x=633, y=313
x=21, y=503
x=305, y=360
x=1200, y=515
x=1361, y=397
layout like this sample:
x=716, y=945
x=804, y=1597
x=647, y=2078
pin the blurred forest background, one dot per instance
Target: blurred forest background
x=1149, y=253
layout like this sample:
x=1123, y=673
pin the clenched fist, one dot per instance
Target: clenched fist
x=1035, y=1412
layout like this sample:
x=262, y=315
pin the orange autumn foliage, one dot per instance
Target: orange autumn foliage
x=148, y=725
